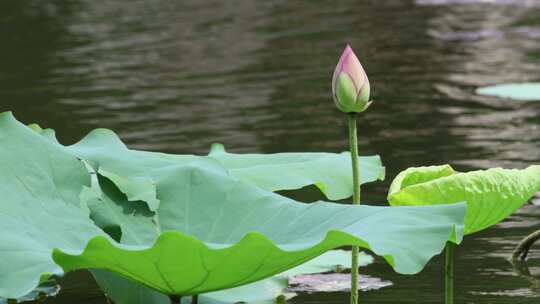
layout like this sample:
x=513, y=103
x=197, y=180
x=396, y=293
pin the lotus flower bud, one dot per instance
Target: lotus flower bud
x=350, y=85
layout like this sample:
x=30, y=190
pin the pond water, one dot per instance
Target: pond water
x=176, y=76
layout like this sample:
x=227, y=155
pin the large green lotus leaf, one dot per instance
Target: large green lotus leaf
x=213, y=223
x=123, y=291
x=132, y=170
x=109, y=203
x=40, y=208
x=210, y=231
x=491, y=195
x=517, y=91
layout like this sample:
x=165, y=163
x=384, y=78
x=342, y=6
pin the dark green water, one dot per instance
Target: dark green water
x=177, y=76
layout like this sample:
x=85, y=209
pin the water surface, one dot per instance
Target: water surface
x=176, y=76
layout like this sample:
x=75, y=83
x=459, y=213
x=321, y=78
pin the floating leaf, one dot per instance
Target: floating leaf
x=517, y=91
x=491, y=195
x=202, y=236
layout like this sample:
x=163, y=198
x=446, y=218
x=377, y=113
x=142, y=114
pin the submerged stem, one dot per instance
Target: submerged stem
x=353, y=145
x=449, y=273
x=175, y=299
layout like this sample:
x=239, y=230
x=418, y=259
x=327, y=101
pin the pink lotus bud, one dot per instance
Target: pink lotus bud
x=350, y=85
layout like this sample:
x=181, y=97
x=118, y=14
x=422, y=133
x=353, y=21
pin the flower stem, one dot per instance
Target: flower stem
x=353, y=144
x=449, y=273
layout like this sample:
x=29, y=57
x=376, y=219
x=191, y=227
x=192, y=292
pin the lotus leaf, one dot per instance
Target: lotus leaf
x=123, y=291
x=40, y=208
x=491, y=195
x=210, y=230
x=330, y=172
x=517, y=91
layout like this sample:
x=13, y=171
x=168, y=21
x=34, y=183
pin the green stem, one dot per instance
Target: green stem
x=353, y=144
x=522, y=249
x=449, y=273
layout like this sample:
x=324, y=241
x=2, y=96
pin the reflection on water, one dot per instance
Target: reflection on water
x=494, y=44
x=522, y=3
x=177, y=76
x=530, y=274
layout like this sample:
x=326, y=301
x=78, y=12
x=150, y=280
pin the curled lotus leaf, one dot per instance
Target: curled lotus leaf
x=491, y=195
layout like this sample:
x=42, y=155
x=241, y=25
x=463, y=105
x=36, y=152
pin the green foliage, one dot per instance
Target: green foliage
x=40, y=207
x=212, y=224
x=205, y=230
x=491, y=195
x=330, y=172
x=123, y=291
x=134, y=170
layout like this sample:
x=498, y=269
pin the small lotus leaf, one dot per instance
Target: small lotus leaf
x=491, y=195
